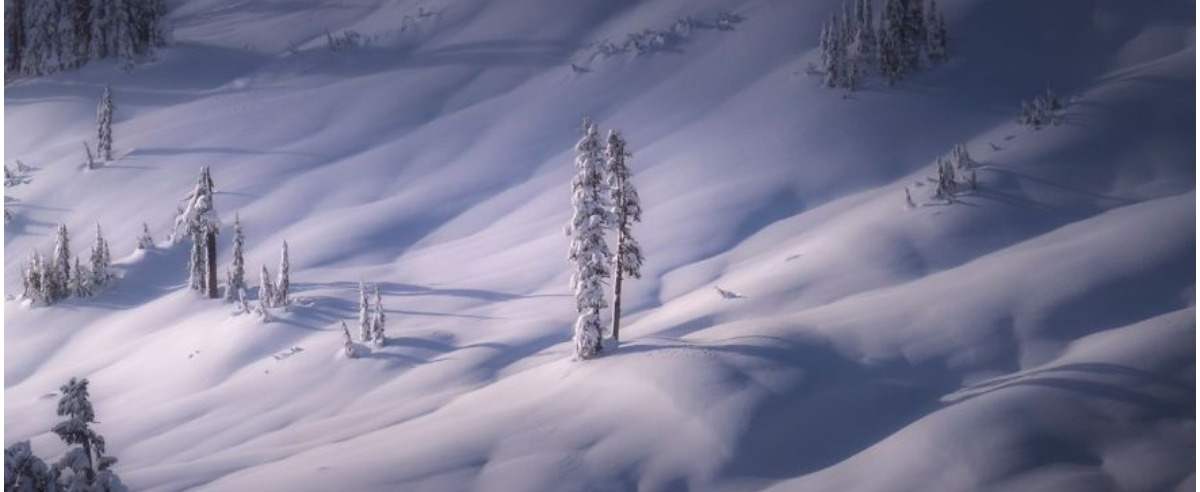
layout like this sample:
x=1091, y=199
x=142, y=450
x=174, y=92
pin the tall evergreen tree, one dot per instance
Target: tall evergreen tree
x=236, y=273
x=626, y=210
x=282, y=285
x=80, y=281
x=915, y=34
x=589, y=252
x=378, y=320
x=891, y=42
x=62, y=263
x=935, y=34
x=100, y=259
x=347, y=342
x=198, y=218
x=364, y=313
x=104, y=119
x=145, y=241
x=864, y=51
x=76, y=407
x=266, y=289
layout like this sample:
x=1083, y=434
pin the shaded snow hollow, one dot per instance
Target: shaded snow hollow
x=796, y=328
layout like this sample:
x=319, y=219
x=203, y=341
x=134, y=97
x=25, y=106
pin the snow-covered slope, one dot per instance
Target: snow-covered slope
x=1038, y=335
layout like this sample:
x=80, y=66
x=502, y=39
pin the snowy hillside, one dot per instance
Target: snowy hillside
x=796, y=326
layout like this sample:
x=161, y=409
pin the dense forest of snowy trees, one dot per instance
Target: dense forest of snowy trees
x=47, y=36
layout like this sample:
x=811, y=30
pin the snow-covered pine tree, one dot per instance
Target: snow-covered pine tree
x=835, y=75
x=48, y=291
x=62, y=263
x=891, y=40
x=378, y=320
x=243, y=306
x=145, y=241
x=230, y=291
x=104, y=119
x=364, y=313
x=100, y=260
x=237, y=269
x=266, y=289
x=915, y=35
x=282, y=285
x=947, y=183
x=961, y=158
x=33, y=279
x=626, y=210
x=935, y=25
x=75, y=406
x=198, y=219
x=80, y=281
x=347, y=343
x=865, y=35
x=24, y=471
x=589, y=252
x=823, y=49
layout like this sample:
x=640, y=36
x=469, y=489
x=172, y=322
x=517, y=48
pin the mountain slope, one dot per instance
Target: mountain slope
x=1038, y=334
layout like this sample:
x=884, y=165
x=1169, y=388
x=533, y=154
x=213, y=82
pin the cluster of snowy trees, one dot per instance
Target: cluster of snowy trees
x=650, y=41
x=1044, y=109
x=372, y=321
x=85, y=467
x=271, y=293
x=907, y=36
x=49, y=280
x=955, y=174
x=603, y=199
x=47, y=36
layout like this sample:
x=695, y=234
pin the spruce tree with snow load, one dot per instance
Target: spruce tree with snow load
x=236, y=274
x=80, y=281
x=145, y=241
x=347, y=342
x=85, y=467
x=266, y=294
x=24, y=471
x=62, y=263
x=282, y=284
x=100, y=259
x=364, y=313
x=626, y=210
x=588, y=252
x=104, y=117
x=378, y=320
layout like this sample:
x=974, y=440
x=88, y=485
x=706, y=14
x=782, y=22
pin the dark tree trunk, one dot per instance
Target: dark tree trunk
x=91, y=468
x=210, y=263
x=616, y=307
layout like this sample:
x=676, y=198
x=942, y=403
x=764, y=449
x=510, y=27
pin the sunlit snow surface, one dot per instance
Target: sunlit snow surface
x=1037, y=335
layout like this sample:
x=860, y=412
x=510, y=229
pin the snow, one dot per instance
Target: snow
x=795, y=326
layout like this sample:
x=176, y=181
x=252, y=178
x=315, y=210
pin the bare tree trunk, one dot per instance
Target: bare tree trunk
x=210, y=274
